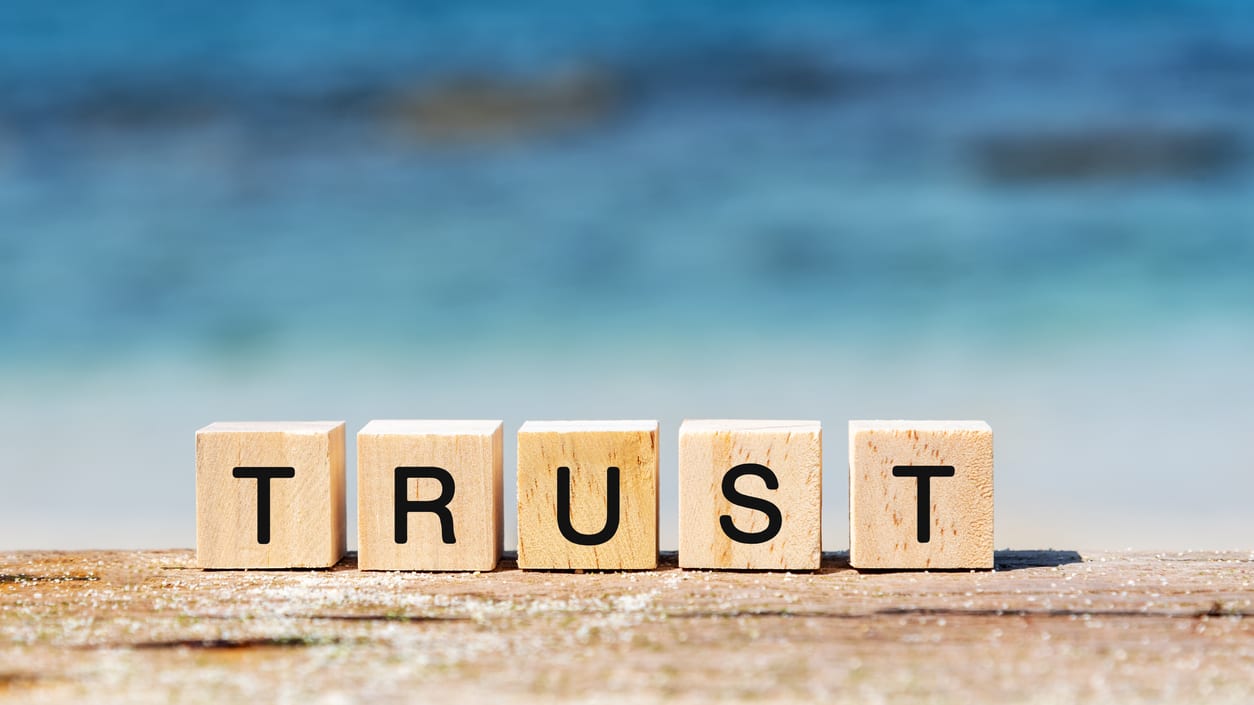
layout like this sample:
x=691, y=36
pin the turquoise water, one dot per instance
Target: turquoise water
x=1041, y=216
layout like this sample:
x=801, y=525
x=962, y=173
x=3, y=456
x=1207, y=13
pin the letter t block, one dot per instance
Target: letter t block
x=920, y=495
x=587, y=495
x=429, y=495
x=270, y=494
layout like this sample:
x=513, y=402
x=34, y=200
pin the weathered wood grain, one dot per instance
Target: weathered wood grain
x=1045, y=626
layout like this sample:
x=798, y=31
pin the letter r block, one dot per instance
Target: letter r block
x=920, y=495
x=587, y=495
x=772, y=518
x=270, y=494
x=449, y=474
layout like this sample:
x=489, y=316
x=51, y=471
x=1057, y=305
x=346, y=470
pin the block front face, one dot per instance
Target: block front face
x=270, y=494
x=450, y=475
x=776, y=461
x=570, y=476
x=894, y=464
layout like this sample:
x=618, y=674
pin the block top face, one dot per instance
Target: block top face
x=298, y=427
x=588, y=426
x=902, y=425
x=435, y=427
x=749, y=426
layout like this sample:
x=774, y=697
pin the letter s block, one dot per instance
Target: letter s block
x=270, y=494
x=750, y=494
x=920, y=495
x=429, y=495
x=587, y=495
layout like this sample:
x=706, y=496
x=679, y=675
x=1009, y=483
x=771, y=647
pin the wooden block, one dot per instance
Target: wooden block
x=587, y=495
x=920, y=494
x=750, y=494
x=270, y=494
x=429, y=495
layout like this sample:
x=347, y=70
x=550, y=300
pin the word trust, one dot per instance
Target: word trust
x=430, y=495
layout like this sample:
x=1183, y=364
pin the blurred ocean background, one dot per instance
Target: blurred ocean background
x=1037, y=214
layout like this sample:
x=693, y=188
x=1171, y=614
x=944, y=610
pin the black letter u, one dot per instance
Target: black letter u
x=611, y=509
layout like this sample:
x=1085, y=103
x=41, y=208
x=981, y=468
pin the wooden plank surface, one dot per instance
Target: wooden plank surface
x=1044, y=627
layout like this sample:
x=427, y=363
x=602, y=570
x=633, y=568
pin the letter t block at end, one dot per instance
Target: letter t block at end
x=920, y=495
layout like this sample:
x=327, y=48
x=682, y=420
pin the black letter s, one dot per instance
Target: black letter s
x=775, y=519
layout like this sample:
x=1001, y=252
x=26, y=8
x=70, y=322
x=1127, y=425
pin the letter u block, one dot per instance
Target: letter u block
x=429, y=495
x=587, y=495
x=920, y=495
x=750, y=494
x=270, y=494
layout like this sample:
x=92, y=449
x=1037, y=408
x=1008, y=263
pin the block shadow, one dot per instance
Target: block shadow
x=832, y=562
x=1003, y=561
x=1047, y=558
